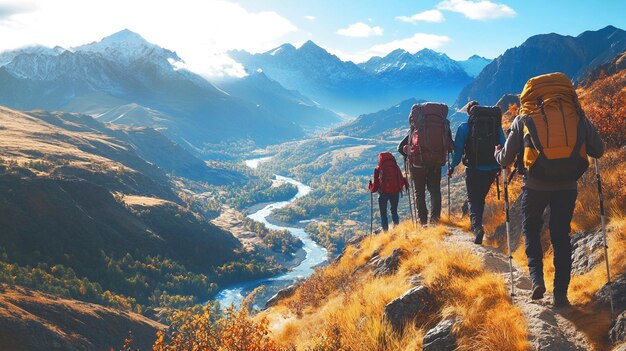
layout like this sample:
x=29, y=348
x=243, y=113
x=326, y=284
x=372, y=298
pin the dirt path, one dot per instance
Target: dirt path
x=548, y=328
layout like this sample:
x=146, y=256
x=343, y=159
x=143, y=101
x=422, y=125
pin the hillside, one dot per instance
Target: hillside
x=574, y=56
x=85, y=217
x=392, y=123
x=30, y=320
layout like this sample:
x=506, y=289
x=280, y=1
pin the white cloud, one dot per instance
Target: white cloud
x=434, y=16
x=360, y=30
x=199, y=31
x=477, y=10
x=412, y=44
x=310, y=18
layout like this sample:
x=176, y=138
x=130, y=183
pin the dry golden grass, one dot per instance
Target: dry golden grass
x=345, y=304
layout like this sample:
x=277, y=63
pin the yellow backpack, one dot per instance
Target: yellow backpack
x=554, y=145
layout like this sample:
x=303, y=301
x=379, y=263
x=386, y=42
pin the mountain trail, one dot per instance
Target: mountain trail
x=548, y=328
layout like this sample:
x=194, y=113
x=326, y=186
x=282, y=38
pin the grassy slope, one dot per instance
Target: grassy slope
x=344, y=307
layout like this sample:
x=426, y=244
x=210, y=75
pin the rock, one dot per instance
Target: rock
x=440, y=338
x=619, y=293
x=409, y=306
x=386, y=265
x=617, y=334
x=355, y=240
x=281, y=295
x=415, y=280
x=587, y=251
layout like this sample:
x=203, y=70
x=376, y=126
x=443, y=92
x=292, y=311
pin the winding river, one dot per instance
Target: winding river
x=315, y=254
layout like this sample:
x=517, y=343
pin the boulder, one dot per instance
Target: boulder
x=587, y=251
x=619, y=293
x=408, y=307
x=281, y=295
x=386, y=265
x=440, y=338
x=617, y=333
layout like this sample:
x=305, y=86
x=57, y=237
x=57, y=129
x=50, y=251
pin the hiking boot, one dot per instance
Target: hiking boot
x=480, y=233
x=561, y=301
x=538, y=291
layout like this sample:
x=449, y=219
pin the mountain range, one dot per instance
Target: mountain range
x=356, y=89
x=540, y=54
x=125, y=79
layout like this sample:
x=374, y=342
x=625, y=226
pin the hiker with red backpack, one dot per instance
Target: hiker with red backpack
x=426, y=148
x=474, y=142
x=388, y=182
x=554, y=137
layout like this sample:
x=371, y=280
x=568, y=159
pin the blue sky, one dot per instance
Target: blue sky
x=487, y=37
x=201, y=31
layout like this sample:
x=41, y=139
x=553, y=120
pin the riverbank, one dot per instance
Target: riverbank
x=315, y=254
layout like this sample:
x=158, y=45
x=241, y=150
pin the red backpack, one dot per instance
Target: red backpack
x=430, y=140
x=390, y=176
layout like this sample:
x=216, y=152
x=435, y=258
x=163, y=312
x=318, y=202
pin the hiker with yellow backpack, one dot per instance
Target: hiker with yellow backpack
x=554, y=138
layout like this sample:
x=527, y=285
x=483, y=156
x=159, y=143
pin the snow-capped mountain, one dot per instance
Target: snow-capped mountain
x=8, y=56
x=126, y=79
x=356, y=89
x=474, y=64
x=316, y=73
x=402, y=60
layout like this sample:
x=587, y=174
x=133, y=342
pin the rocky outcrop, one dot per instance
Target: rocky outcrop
x=408, y=307
x=617, y=334
x=281, y=295
x=619, y=293
x=586, y=251
x=440, y=338
x=386, y=265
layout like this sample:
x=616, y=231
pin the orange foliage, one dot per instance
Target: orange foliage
x=234, y=330
x=604, y=103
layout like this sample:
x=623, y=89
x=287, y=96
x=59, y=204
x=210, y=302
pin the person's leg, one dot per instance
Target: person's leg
x=478, y=184
x=419, y=187
x=433, y=182
x=562, y=205
x=534, y=203
x=394, y=199
x=382, y=206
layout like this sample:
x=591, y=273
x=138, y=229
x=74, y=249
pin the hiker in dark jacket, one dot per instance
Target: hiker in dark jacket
x=478, y=177
x=536, y=196
x=424, y=178
x=388, y=183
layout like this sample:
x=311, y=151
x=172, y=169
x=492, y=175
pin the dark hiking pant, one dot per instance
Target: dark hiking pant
x=478, y=184
x=427, y=178
x=562, y=203
x=393, y=199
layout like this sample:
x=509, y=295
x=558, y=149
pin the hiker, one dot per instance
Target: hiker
x=554, y=137
x=388, y=182
x=474, y=143
x=425, y=148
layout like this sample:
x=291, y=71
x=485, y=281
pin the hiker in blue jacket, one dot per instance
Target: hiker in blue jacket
x=474, y=143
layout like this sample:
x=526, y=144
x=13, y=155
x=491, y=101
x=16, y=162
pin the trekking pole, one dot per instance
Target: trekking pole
x=508, y=225
x=449, y=179
x=408, y=191
x=606, y=247
x=371, y=216
x=498, y=186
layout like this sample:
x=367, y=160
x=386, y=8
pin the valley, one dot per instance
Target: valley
x=139, y=195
